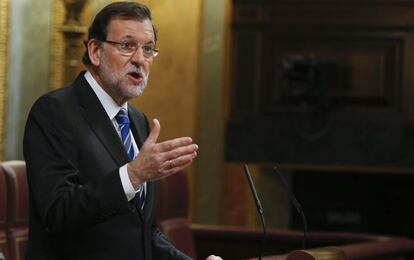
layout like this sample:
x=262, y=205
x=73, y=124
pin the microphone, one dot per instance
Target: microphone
x=297, y=205
x=258, y=206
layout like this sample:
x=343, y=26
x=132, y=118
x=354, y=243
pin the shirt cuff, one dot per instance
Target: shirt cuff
x=126, y=183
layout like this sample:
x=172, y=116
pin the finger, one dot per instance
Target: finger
x=155, y=132
x=180, y=151
x=174, y=143
x=167, y=165
x=178, y=162
x=175, y=169
x=183, y=160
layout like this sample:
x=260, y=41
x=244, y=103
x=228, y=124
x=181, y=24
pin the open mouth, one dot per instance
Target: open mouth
x=136, y=76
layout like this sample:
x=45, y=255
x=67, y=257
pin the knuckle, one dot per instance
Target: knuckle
x=158, y=161
x=171, y=145
x=154, y=148
x=175, y=153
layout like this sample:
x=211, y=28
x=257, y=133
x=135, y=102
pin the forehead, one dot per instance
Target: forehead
x=126, y=28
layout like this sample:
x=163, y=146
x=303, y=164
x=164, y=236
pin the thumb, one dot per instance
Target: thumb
x=155, y=131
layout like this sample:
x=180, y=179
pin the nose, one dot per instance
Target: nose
x=138, y=56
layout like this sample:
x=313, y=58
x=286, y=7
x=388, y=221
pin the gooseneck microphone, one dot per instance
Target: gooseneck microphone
x=259, y=208
x=297, y=205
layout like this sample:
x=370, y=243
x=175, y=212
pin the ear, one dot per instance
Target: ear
x=94, y=52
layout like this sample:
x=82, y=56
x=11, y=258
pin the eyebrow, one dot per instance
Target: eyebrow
x=129, y=37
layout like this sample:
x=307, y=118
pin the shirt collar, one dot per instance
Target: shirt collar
x=110, y=106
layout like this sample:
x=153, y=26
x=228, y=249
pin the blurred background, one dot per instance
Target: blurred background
x=322, y=89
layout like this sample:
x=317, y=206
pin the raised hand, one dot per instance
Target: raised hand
x=158, y=160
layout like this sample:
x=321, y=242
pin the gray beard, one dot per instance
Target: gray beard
x=142, y=86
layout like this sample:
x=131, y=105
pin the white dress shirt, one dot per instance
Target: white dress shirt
x=112, y=109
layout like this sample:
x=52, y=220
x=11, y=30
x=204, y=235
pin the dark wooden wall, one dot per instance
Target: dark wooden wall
x=326, y=87
x=327, y=82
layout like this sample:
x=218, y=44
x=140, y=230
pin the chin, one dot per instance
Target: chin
x=138, y=90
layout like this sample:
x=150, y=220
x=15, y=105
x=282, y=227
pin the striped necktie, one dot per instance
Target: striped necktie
x=123, y=121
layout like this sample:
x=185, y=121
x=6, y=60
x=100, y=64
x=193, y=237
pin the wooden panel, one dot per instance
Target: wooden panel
x=238, y=204
x=361, y=202
x=368, y=42
x=367, y=70
x=247, y=13
x=328, y=13
x=334, y=14
x=247, y=72
x=360, y=112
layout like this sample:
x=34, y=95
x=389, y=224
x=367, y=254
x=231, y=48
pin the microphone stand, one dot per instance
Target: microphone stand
x=297, y=205
x=259, y=208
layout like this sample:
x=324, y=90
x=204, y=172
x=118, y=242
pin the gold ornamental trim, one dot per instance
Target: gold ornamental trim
x=57, y=46
x=4, y=36
x=66, y=44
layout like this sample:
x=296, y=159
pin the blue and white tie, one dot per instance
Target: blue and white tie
x=123, y=121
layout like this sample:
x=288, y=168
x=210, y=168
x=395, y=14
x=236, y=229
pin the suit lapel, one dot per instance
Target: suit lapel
x=99, y=121
x=139, y=126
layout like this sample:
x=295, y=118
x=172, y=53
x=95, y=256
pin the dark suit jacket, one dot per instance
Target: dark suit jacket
x=78, y=209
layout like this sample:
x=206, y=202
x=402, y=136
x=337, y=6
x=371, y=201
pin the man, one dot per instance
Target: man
x=91, y=158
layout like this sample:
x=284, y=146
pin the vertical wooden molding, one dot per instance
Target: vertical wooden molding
x=4, y=36
x=57, y=46
x=66, y=46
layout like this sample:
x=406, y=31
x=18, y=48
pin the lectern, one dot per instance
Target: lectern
x=323, y=253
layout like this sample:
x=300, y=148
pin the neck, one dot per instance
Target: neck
x=119, y=100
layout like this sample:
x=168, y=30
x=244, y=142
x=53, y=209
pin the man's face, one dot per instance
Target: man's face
x=125, y=76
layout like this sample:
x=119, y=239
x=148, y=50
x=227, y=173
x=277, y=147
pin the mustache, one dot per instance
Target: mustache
x=138, y=71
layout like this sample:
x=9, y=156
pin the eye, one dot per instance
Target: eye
x=128, y=46
x=148, y=49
